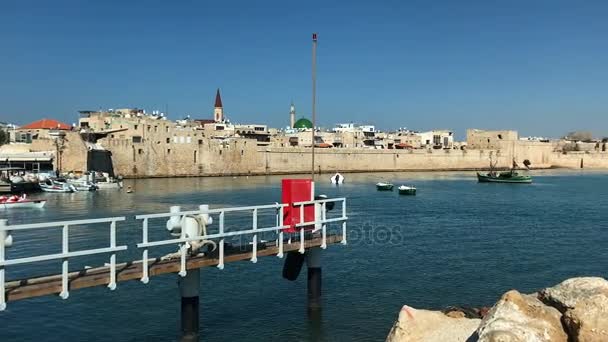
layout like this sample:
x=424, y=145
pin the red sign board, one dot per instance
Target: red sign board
x=297, y=190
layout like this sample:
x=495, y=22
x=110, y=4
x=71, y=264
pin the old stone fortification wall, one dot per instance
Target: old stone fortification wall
x=73, y=154
x=208, y=157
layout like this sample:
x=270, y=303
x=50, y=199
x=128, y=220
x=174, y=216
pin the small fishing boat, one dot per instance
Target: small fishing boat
x=337, y=179
x=384, y=186
x=407, y=190
x=504, y=177
x=51, y=185
x=20, y=202
x=511, y=176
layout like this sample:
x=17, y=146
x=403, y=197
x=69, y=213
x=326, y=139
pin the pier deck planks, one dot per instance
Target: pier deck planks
x=41, y=286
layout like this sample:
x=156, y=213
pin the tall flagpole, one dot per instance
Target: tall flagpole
x=314, y=98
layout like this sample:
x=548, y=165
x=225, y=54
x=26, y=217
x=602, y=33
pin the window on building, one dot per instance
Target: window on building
x=200, y=141
x=168, y=140
x=135, y=126
x=155, y=128
x=167, y=129
x=136, y=139
x=168, y=151
x=219, y=128
x=140, y=151
x=149, y=128
x=259, y=128
x=195, y=152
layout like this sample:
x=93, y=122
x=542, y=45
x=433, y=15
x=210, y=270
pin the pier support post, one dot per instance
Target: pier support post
x=189, y=287
x=313, y=261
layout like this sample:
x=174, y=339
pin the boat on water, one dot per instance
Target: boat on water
x=511, y=176
x=384, y=186
x=337, y=179
x=504, y=177
x=51, y=185
x=82, y=184
x=104, y=181
x=20, y=202
x=407, y=190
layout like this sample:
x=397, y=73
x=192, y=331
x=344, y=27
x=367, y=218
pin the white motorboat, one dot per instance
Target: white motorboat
x=337, y=179
x=104, y=181
x=16, y=202
x=51, y=185
x=82, y=184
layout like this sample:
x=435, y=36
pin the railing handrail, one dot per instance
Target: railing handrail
x=62, y=223
x=65, y=253
x=279, y=227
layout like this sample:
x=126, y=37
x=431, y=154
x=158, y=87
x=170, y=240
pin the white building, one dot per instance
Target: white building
x=437, y=139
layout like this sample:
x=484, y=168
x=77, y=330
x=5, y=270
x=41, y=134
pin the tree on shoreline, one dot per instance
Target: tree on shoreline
x=4, y=137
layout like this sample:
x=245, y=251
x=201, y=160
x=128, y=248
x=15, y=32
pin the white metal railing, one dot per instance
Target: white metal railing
x=279, y=228
x=65, y=254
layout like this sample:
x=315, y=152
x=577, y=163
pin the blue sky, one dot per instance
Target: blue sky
x=540, y=67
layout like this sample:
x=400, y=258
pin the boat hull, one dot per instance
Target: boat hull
x=497, y=179
x=410, y=192
x=22, y=205
x=384, y=187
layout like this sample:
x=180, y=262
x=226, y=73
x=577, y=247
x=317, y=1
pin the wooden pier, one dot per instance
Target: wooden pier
x=48, y=285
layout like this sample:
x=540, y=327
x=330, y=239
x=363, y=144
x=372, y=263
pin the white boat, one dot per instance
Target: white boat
x=51, y=185
x=407, y=190
x=81, y=184
x=15, y=202
x=337, y=179
x=104, y=181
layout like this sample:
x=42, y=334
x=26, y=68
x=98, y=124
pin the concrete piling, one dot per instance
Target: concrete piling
x=313, y=261
x=189, y=287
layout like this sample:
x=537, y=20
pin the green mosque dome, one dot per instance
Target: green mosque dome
x=303, y=123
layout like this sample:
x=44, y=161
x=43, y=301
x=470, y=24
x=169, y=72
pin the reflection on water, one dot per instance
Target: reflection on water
x=456, y=243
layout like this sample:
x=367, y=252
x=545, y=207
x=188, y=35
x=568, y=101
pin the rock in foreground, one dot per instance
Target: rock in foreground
x=575, y=310
x=517, y=317
x=431, y=326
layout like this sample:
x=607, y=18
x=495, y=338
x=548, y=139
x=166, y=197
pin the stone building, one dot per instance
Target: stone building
x=481, y=139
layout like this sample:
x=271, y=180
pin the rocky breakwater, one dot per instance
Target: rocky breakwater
x=572, y=311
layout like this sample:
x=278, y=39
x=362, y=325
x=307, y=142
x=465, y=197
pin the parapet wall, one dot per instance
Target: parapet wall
x=209, y=157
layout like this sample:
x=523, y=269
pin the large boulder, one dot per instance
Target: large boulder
x=584, y=302
x=568, y=293
x=431, y=326
x=521, y=318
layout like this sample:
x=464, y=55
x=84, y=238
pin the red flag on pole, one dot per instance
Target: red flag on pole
x=314, y=37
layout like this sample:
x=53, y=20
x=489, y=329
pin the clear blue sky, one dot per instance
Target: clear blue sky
x=540, y=67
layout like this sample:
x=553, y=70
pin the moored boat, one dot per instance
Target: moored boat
x=384, y=186
x=337, y=179
x=82, y=184
x=407, y=190
x=16, y=202
x=51, y=185
x=504, y=177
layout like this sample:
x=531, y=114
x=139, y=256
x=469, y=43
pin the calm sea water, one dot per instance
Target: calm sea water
x=456, y=243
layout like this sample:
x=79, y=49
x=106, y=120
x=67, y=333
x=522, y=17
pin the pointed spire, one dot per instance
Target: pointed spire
x=218, y=99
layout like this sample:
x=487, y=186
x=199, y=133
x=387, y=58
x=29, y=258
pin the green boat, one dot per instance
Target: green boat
x=504, y=177
x=510, y=176
x=407, y=190
x=383, y=186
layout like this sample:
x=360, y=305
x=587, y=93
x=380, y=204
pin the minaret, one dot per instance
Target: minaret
x=292, y=115
x=218, y=112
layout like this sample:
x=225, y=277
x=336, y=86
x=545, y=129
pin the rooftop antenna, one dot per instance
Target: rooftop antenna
x=314, y=96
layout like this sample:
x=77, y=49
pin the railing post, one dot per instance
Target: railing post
x=280, y=223
x=254, y=250
x=144, y=271
x=3, y=235
x=343, y=222
x=220, y=263
x=65, y=293
x=189, y=288
x=112, y=284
